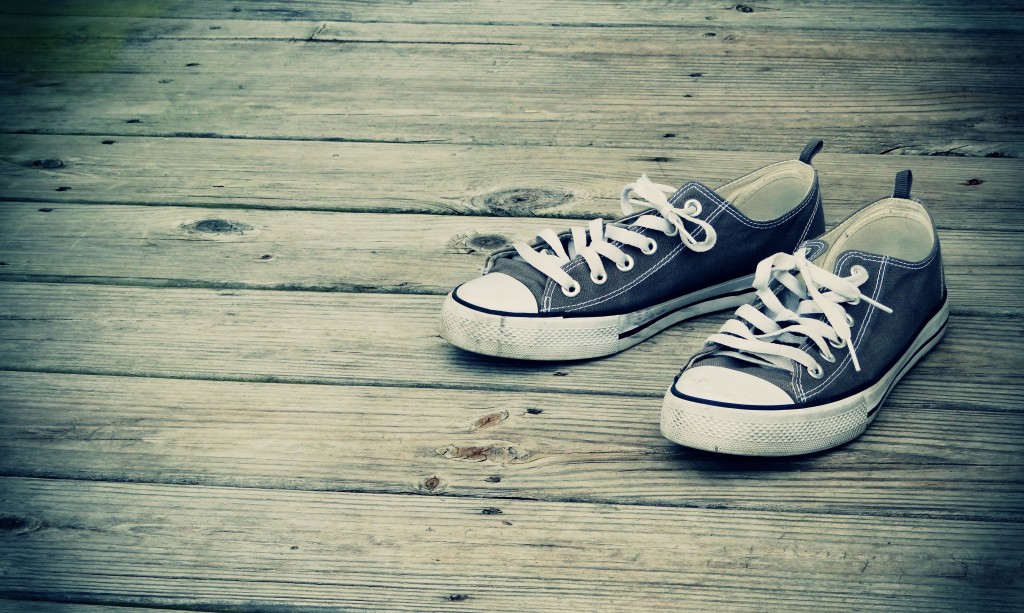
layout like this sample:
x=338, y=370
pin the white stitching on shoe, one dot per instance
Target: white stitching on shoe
x=863, y=327
x=721, y=206
x=650, y=271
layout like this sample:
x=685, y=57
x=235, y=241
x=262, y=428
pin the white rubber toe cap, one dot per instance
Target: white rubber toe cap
x=725, y=385
x=498, y=292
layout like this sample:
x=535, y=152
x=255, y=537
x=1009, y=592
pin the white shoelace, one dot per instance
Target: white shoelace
x=593, y=242
x=773, y=346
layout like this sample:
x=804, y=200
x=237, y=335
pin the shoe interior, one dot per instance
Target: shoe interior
x=771, y=192
x=894, y=227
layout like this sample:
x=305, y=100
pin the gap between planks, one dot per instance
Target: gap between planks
x=556, y=554
x=336, y=338
x=344, y=252
x=921, y=16
x=365, y=94
x=517, y=181
x=488, y=444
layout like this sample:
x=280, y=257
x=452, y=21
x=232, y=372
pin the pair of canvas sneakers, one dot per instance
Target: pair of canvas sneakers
x=827, y=324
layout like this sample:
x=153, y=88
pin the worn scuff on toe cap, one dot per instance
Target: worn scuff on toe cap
x=497, y=292
x=719, y=384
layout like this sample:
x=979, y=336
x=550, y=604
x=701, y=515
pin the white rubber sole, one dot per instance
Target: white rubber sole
x=575, y=338
x=783, y=432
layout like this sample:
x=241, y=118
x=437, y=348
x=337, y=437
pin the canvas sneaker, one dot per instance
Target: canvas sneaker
x=833, y=328
x=597, y=290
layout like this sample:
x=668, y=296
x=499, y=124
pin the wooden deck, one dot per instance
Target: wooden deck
x=225, y=233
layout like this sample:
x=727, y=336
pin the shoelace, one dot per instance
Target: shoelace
x=778, y=346
x=592, y=243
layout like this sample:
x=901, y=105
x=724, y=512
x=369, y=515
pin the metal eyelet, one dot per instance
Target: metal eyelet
x=817, y=372
x=838, y=345
x=628, y=265
x=856, y=269
x=830, y=358
x=674, y=232
x=599, y=279
x=573, y=290
x=698, y=207
x=849, y=319
x=652, y=247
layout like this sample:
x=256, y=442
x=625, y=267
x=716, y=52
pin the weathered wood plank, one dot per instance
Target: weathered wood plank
x=461, y=94
x=962, y=193
x=36, y=606
x=306, y=250
x=861, y=15
x=392, y=340
x=556, y=447
x=213, y=548
x=34, y=34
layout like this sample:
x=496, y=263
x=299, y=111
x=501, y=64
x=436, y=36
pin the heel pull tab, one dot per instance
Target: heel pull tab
x=904, y=179
x=810, y=151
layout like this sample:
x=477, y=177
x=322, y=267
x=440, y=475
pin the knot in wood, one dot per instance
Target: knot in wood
x=487, y=242
x=18, y=524
x=216, y=226
x=491, y=419
x=49, y=164
x=430, y=483
x=467, y=244
x=520, y=201
x=498, y=453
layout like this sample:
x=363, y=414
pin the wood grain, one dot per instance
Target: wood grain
x=35, y=606
x=446, y=91
x=230, y=548
x=330, y=338
x=221, y=447
x=962, y=193
x=862, y=15
x=707, y=39
x=922, y=462
x=304, y=250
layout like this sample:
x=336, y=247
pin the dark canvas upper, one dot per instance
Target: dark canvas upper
x=674, y=270
x=915, y=291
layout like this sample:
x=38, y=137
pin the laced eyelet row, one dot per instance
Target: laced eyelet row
x=625, y=266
